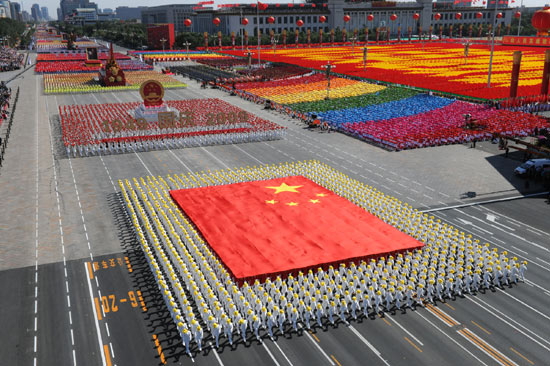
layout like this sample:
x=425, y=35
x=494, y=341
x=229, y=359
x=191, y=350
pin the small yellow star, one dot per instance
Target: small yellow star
x=272, y=202
x=321, y=194
x=292, y=204
x=314, y=201
x=285, y=188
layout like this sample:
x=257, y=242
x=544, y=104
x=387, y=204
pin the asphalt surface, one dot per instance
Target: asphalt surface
x=76, y=289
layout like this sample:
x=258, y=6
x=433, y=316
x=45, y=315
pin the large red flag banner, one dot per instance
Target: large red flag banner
x=278, y=226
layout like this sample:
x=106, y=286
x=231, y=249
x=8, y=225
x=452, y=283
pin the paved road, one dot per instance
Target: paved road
x=77, y=289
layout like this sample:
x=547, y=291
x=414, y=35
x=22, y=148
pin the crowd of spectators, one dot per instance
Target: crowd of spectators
x=10, y=59
x=5, y=94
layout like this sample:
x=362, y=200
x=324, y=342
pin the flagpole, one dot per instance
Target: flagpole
x=258, y=25
x=519, y=19
x=492, y=44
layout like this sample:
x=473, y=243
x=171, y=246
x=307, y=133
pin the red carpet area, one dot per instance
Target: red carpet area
x=279, y=226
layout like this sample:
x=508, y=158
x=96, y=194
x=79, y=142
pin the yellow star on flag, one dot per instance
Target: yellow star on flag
x=321, y=194
x=272, y=202
x=314, y=201
x=285, y=188
x=292, y=204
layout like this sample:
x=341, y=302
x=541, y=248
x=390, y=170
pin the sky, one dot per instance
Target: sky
x=52, y=5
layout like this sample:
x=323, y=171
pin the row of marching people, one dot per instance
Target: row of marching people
x=123, y=145
x=206, y=303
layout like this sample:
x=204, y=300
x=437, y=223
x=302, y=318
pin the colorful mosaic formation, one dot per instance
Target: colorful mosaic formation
x=433, y=66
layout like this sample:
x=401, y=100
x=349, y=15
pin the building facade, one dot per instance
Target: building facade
x=5, y=9
x=68, y=7
x=174, y=14
x=129, y=13
x=15, y=9
x=36, y=14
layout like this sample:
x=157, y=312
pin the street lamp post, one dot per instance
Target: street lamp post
x=519, y=19
x=328, y=67
x=492, y=45
x=275, y=41
x=353, y=40
x=163, y=41
x=187, y=44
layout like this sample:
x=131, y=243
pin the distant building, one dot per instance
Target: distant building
x=59, y=14
x=84, y=16
x=174, y=14
x=36, y=13
x=45, y=13
x=69, y=6
x=129, y=13
x=15, y=9
x=107, y=11
x=26, y=16
x=160, y=36
x=5, y=7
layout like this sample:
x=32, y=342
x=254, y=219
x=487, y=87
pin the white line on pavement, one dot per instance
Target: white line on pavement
x=374, y=350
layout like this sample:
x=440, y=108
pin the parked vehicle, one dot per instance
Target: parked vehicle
x=532, y=167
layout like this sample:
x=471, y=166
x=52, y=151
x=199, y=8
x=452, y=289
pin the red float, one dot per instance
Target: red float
x=299, y=22
x=416, y=16
x=393, y=17
x=437, y=16
x=244, y=21
x=271, y=20
x=187, y=22
x=541, y=21
x=458, y=15
x=322, y=18
x=347, y=18
x=370, y=17
x=216, y=21
x=479, y=15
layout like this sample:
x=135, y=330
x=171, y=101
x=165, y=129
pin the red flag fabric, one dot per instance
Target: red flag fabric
x=266, y=228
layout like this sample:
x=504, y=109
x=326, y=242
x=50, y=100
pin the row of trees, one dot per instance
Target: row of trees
x=130, y=35
x=197, y=39
x=14, y=32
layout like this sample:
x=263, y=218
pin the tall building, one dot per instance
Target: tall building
x=5, y=11
x=15, y=9
x=36, y=14
x=26, y=16
x=68, y=7
x=59, y=14
x=129, y=13
x=45, y=13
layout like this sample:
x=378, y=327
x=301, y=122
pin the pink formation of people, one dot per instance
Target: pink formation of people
x=207, y=305
x=110, y=128
x=446, y=125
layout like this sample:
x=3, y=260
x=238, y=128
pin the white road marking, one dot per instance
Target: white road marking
x=270, y=354
x=372, y=348
x=319, y=348
x=284, y=355
x=448, y=336
x=216, y=354
x=405, y=330
x=524, y=304
x=99, y=338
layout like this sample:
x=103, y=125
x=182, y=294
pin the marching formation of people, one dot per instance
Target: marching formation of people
x=5, y=94
x=10, y=60
x=205, y=301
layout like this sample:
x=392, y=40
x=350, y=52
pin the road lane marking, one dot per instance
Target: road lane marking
x=284, y=355
x=107, y=355
x=406, y=331
x=499, y=355
x=448, y=336
x=524, y=304
x=412, y=344
x=319, y=348
x=522, y=356
x=367, y=343
x=90, y=270
x=450, y=306
x=314, y=336
x=335, y=360
x=159, y=349
x=99, y=338
x=270, y=354
x=519, y=250
x=215, y=354
x=480, y=327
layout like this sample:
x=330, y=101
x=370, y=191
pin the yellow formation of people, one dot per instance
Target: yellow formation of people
x=206, y=303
